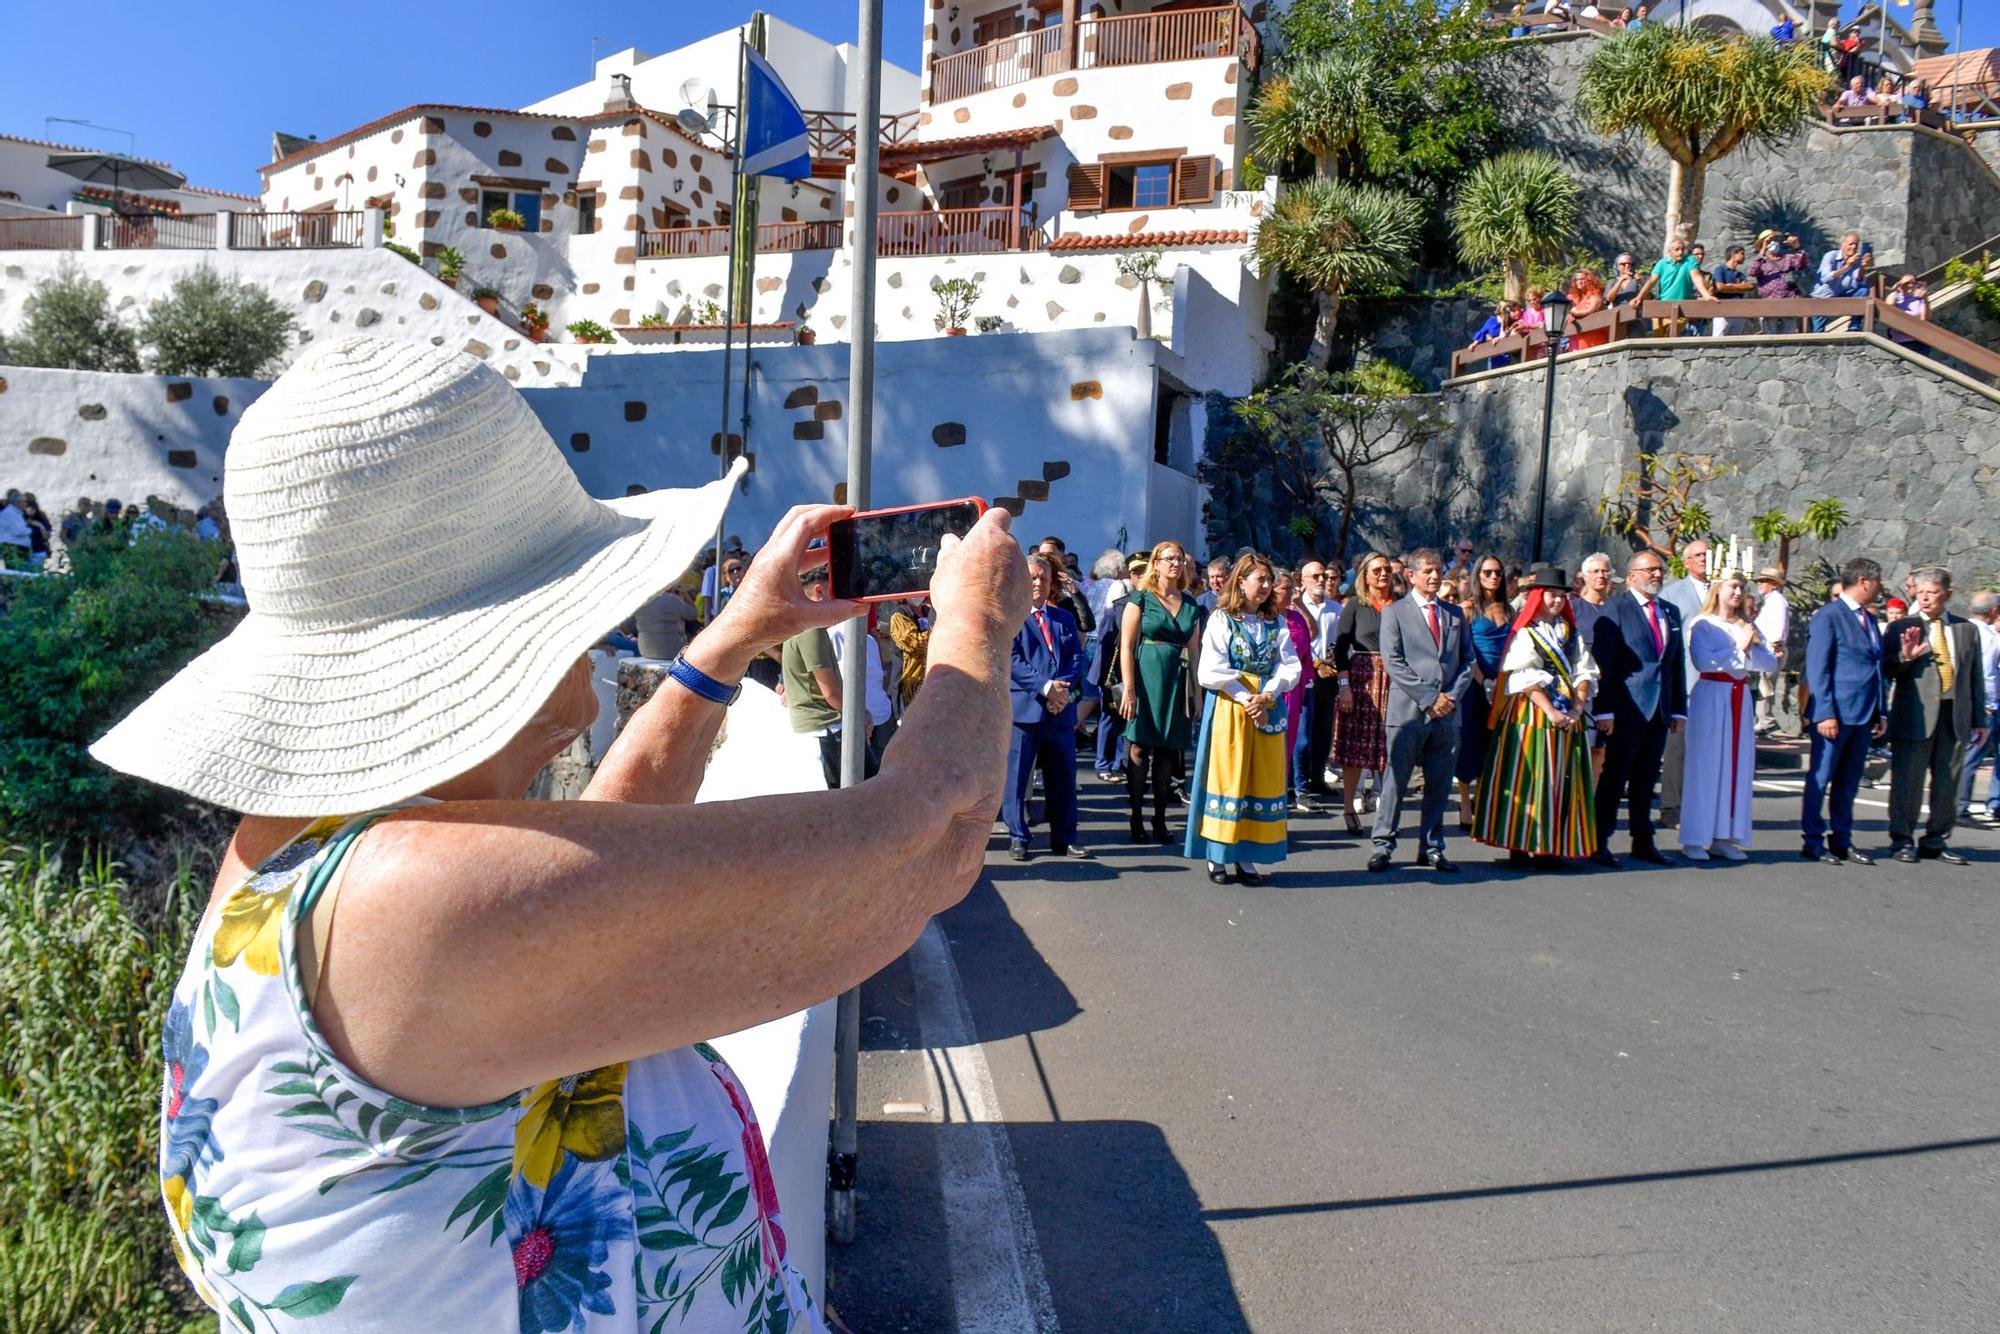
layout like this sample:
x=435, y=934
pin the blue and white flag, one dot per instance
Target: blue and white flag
x=774, y=129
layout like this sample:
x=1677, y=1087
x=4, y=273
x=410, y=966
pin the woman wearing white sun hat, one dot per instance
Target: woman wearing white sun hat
x=484, y=1101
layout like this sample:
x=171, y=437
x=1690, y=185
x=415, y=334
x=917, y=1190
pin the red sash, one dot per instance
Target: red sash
x=1736, y=685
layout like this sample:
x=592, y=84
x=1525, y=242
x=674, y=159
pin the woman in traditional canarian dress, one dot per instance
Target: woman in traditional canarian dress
x=1285, y=602
x=1534, y=798
x=1236, y=810
x=1721, y=724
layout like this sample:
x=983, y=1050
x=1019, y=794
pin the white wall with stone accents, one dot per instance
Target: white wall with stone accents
x=332, y=292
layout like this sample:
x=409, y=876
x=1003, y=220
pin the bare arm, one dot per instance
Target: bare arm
x=1128, y=646
x=482, y=947
x=828, y=681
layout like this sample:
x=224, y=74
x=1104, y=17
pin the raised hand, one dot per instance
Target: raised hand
x=1915, y=644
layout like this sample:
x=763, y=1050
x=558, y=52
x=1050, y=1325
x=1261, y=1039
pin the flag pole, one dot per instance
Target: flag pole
x=729, y=323
x=842, y=1152
x=744, y=234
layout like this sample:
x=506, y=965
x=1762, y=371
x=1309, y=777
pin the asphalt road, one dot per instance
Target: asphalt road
x=1760, y=1097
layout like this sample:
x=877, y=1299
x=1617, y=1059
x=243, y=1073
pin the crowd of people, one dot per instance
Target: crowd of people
x=1775, y=268
x=1231, y=697
x=31, y=542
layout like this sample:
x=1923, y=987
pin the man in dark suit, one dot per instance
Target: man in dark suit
x=1639, y=646
x=1844, y=709
x=1045, y=674
x=1937, y=711
x=1427, y=657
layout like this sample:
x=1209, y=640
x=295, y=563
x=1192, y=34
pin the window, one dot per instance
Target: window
x=1140, y=185
x=967, y=192
x=586, y=214
x=992, y=27
x=527, y=203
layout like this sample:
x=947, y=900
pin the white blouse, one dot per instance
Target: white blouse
x=1214, y=672
x=1524, y=671
x=1713, y=649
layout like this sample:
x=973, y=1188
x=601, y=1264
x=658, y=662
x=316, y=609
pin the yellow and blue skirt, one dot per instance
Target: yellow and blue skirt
x=1237, y=808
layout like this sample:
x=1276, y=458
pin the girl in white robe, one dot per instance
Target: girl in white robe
x=1727, y=651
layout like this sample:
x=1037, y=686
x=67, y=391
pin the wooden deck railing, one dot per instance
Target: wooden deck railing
x=147, y=231
x=1095, y=43
x=326, y=229
x=772, y=238
x=1850, y=314
x=957, y=231
x=830, y=134
x=53, y=233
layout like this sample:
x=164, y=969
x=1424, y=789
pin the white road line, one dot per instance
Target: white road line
x=997, y=1284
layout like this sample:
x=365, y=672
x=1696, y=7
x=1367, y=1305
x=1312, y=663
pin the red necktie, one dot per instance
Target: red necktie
x=1653, y=619
x=1042, y=621
x=1437, y=636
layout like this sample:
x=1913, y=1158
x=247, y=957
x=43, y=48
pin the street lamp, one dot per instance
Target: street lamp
x=1555, y=318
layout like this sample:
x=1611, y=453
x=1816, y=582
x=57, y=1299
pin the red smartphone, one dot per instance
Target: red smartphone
x=884, y=555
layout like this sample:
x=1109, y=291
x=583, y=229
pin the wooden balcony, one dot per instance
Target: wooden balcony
x=55, y=232
x=957, y=231
x=1217, y=32
x=772, y=238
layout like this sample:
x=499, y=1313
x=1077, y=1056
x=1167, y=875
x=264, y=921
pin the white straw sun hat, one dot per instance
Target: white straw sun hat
x=422, y=568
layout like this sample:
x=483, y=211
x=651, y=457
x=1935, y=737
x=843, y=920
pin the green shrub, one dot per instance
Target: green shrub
x=83, y=650
x=207, y=324
x=70, y=326
x=404, y=251
x=588, y=331
x=507, y=219
x=87, y=969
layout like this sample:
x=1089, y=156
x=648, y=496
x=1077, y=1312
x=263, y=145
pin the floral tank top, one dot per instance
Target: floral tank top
x=636, y=1197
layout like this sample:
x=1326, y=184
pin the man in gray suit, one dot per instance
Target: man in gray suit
x=1937, y=709
x=1424, y=650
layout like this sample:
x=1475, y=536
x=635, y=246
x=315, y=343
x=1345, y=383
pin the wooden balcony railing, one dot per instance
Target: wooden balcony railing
x=327, y=229
x=54, y=233
x=830, y=134
x=957, y=231
x=147, y=231
x=1844, y=314
x=772, y=238
x=1131, y=39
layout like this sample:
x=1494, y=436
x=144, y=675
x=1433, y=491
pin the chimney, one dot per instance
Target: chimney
x=618, y=94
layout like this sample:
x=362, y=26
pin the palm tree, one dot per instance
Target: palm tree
x=1338, y=238
x=1515, y=209
x=1699, y=97
x=1325, y=106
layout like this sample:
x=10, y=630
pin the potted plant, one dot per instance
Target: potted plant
x=653, y=321
x=506, y=220
x=955, y=297
x=589, y=331
x=806, y=336
x=450, y=265
x=487, y=299
x=535, y=321
x=708, y=314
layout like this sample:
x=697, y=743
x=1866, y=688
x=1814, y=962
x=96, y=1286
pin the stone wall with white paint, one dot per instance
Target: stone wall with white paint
x=331, y=292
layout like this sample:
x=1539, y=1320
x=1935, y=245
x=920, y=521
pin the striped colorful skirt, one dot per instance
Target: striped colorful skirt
x=1535, y=794
x=1237, y=807
x=1359, y=740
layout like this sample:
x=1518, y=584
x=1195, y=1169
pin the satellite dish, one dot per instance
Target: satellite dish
x=692, y=121
x=700, y=102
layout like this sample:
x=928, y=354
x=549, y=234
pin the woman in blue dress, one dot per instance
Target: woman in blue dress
x=1488, y=616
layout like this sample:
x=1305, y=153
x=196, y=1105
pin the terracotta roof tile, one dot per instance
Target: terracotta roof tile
x=699, y=328
x=937, y=150
x=1147, y=240
x=72, y=148
x=426, y=108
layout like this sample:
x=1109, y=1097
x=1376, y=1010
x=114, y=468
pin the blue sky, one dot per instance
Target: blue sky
x=204, y=84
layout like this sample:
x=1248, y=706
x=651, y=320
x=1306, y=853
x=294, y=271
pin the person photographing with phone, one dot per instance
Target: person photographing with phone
x=1843, y=274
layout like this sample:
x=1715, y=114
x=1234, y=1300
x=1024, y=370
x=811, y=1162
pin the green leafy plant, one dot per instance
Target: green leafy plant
x=588, y=331
x=1141, y=264
x=404, y=251
x=485, y=294
x=653, y=321
x=1340, y=240
x=1514, y=210
x=87, y=965
x=1316, y=433
x=955, y=297
x=1699, y=97
x=1656, y=505
x=707, y=313
x=534, y=317
x=86, y=649
x=450, y=264
x=506, y=219
x=208, y=324
x=1984, y=291
x=1823, y=520
x=70, y=326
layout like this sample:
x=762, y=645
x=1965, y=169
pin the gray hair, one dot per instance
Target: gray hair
x=1037, y=558
x=1604, y=556
x=1423, y=556
x=1111, y=565
x=1985, y=604
x=1933, y=574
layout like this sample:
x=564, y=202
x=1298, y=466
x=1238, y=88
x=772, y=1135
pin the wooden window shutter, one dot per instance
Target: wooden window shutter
x=1196, y=180
x=1086, y=187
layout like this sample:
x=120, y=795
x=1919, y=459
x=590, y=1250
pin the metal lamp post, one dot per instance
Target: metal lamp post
x=1555, y=318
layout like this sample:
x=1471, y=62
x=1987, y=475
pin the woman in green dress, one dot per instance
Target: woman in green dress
x=1159, y=621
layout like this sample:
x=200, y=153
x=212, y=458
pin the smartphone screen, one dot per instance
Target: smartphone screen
x=893, y=553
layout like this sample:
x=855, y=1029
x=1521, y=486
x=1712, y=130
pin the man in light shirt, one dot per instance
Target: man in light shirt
x=1316, y=728
x=1774, y=623
x=1984, y=613
x=1684, y=595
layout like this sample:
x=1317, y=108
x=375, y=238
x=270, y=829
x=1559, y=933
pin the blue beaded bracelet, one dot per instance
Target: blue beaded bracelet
x=695, y=679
